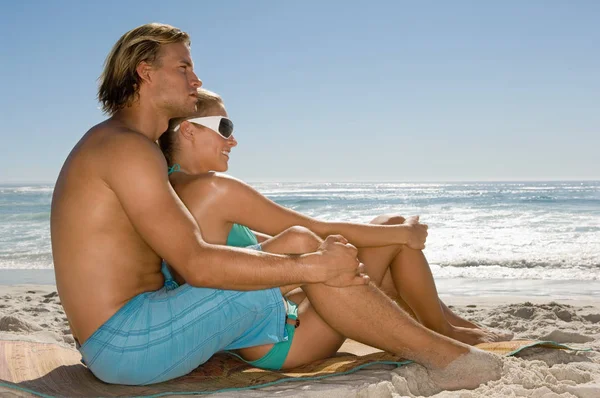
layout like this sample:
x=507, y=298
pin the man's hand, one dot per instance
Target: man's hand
x=418, y=233
x=339, y=263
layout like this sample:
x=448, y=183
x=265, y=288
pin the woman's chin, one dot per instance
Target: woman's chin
x=222, y=168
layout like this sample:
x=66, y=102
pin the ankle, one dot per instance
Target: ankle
x=447, y=354
x=443, y=328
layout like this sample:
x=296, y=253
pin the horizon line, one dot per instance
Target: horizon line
x=359, y=181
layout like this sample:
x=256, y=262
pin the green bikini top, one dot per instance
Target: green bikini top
x=240, y=235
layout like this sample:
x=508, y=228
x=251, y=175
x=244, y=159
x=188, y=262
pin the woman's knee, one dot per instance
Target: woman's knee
x=303, y=239
x=388, y=219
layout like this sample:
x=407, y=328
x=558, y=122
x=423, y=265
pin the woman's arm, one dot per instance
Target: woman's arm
x=242, y=204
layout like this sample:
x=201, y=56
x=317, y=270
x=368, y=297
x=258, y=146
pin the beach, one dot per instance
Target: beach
x=441, y=154
x=522, y=257
x=32, y=312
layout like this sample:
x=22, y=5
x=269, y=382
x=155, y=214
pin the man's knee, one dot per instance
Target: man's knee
x=304, y=239
x=388, y=219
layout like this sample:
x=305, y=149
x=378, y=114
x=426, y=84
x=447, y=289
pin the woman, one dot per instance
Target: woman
x=228, y=210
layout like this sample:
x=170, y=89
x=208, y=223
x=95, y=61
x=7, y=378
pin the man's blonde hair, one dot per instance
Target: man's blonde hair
x=206, y=104
x=120, y=82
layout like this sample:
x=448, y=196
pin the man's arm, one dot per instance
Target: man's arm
x=244, y=205
x=136, y=172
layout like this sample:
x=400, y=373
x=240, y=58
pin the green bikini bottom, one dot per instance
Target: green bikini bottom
x=275, y=358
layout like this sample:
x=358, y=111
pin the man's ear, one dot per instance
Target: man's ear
x=143, y=70
x=186, y=130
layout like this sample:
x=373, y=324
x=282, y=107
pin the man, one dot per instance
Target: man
x=115, y=216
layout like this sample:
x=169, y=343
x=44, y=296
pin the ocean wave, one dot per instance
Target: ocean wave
x=508, y=273
x=26, y=189
x=14, y=218
x=26, y=261
x=524, y=264
x=538, y=198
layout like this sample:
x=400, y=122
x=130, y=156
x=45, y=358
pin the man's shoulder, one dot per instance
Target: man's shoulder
x=109, y=150
x=115, y=137
x=108, y=143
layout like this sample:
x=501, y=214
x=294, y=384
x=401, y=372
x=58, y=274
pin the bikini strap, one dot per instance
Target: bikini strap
x=174, y=168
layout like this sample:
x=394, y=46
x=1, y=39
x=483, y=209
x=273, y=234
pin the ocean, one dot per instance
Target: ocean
x=516, y=237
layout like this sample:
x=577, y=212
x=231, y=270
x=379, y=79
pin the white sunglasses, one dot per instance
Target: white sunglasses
x=219, y=124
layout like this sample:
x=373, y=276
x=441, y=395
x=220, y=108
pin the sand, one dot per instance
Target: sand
x=33, y=312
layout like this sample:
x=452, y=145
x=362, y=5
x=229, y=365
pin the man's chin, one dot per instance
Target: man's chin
x=185, y=110
x=193, y=108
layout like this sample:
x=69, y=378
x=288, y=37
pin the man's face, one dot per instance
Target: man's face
x=173, y=83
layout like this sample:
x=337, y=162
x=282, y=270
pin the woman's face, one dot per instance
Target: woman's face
x=211, y=149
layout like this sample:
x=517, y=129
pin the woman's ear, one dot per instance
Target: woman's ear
x=186, y=130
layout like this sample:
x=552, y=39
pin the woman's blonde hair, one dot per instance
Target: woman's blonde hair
x=119, y=82
x=206, y=103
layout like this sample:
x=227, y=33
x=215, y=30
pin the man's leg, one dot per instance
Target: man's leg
x=365, y=314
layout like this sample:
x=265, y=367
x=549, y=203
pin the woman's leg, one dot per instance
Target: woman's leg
x=387, y=286
x=404, y=274
x=294, y=240
x=299, y=240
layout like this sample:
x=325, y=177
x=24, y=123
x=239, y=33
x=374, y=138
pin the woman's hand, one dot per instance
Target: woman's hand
x=417, y=233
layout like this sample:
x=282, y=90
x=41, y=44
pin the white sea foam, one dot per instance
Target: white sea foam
x=7, y=189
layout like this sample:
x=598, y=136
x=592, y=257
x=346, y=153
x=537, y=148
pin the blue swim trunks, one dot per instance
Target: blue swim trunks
x=161, y=335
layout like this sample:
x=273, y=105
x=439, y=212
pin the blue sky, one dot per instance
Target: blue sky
x=331, y=90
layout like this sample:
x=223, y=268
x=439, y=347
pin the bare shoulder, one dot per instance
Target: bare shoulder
x=117, y=139
x=107, y=140
x=219, y=182
x=210, y=186
x=115, y=147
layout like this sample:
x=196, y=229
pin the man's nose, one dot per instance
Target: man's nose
x=232, y=141
x=196, y=83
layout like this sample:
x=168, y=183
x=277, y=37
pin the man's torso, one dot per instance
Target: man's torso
x=100, y=260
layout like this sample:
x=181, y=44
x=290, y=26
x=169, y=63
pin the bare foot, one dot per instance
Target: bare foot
x=503, y=335
x=464, y=323
x=455, y=320
x=468, y=371
x=474, y=336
